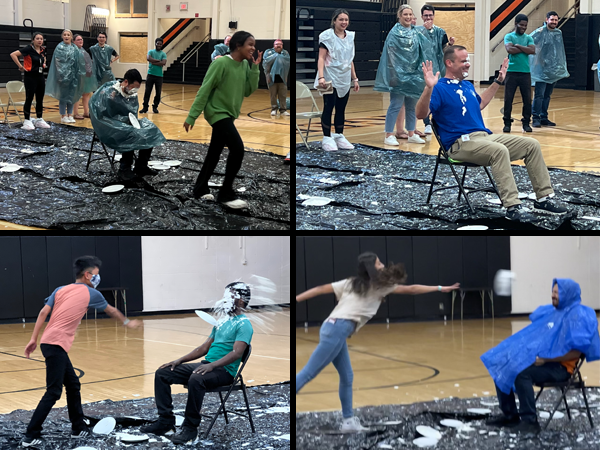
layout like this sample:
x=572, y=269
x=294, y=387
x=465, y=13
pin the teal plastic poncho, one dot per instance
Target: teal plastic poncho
x=434, y=52
x=88, y=80
x=598, y=65
x=400, y=68
x=553, y=332
x=276, y=64
x=220, y=50
x=109, y=112
x=549, y=64
x=101, y=64
x=65, y=72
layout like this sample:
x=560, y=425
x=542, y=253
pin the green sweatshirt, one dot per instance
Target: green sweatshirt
x=225, y=85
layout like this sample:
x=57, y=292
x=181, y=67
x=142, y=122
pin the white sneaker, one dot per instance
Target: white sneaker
x=391, y=140
x=328, y=144
x=236, y=204
x=28, y=125
x=428, y=129
x=341, y=142
x=71, y=120
x=274, y=112
x=285, y=113
x=65, y=120
x=352, y=424
x=41, y=123
x=414, y=139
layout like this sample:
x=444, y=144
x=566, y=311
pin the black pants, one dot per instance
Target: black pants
x=523, y=82
x=524, y=387
x=142, y=160
x=153, y=81
x=35, y=84
x=59, y=371
x=197, y=386
x=329, y=102
x=224, y=134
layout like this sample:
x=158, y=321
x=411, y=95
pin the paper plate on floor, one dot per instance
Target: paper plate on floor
x=452, y=423
x=429, y=432
x=27, y=151
x=473, y=227
x=179, y=420
x=155, y=163
x=86, y=448
x=425, y=442
x=207, y=317
x=495, y=201
x=317, y=201
x=479, y=410
x=105, y=426
x=546, y=415
x=134, y=121
x=172, y=163
x=10, y=168
x=161, y=167
x=113, y=189
x=211, y=184
x=131, y=437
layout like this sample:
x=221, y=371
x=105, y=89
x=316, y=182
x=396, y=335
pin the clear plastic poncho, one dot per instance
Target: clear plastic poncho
x=101, y=63
x=553, y=332
x=276, y=64
x=66, y=69
x=435, y=51
x=598, y=62
x=220, y=50
x=400, y=70
x=109, y=112
x=338, y=65
x=88, y=80
x=549, y=64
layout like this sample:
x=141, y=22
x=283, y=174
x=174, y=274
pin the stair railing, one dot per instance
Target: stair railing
x=501, y=42
x=572, y=12
x=194, y=51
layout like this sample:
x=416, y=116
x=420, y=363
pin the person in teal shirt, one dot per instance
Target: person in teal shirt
x=223, y=349
x=157, y=59
x=519, y=46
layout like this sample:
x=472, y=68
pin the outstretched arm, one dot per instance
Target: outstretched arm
x=488, y=94
x=416, y=289
x=319, y=290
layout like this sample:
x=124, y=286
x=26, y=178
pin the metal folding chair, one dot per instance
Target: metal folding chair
x=110, y=160
x=302, y=91
x=15, y=87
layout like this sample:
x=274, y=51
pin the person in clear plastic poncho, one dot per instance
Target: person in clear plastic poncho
x=88, y=81
x=102, y=55
x=548, y=65
x=64, y=76
x=110, y=107
x=221, y=49
x=276, y=63
x=547, y=350
x=400, y=74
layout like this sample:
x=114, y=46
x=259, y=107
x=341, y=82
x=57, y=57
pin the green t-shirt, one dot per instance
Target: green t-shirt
x=520, y=61
x=237, y=328
x=153, y=69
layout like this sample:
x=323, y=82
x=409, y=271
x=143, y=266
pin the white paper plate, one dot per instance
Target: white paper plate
x=207, y=317
x=425, y=442
x=479, y=410
x=522, y=195
x=452, y=423
x=211, y=184
x=27, y=151
x=105, y=426
x=495, y=201
x=179, y=420
x=429, y=432
x=113, y=189
x=155, y=163
x=473, y=227
x=546, y=415
x=10, y=168
x=161, y=167
x=172, y=163
x=86, y=448
x=134, y=121
x=132, y=438
x=317, y=201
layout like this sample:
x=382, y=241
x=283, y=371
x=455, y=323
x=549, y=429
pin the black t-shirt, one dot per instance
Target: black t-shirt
x=32, y=60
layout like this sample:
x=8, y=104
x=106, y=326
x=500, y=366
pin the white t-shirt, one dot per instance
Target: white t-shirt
x=355, y=307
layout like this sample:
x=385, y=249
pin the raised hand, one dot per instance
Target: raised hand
x=502, y=74
x=430, y=79
x=451, y=288
x=257, y=60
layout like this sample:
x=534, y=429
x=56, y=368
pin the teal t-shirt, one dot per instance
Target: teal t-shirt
x=520, y=61
x=237, y=328
x=153, y=69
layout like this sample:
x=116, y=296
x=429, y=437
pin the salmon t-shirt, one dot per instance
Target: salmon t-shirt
x=69, y=304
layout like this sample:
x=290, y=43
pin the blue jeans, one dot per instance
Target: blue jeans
x=396, y=101
x=541, y=100
x=64, y=106
x=332, y=348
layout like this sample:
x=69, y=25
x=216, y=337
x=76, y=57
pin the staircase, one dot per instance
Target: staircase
x=193, y=74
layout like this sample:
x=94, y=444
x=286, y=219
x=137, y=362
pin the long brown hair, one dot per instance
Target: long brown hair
x=368, y=277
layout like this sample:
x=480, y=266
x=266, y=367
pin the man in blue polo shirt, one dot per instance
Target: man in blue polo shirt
x=456, y=108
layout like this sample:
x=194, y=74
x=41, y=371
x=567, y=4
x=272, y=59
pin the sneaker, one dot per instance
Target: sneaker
x=428, y=129
x=126, y=174
x=536, y=123
x=547, y=207
x=527, y=427
x=547, y=123
x=414, y=139
x=185, y=436
x=506, y=129
x=155, y=110
x=144, y=111
x=71, y=120
x=328, y=144
x=519, y=214
x=158, y=428
x=40, y=123
x=65, y=120
x=285, y=113
x=503, y=421
x=341, y=142
x=236, y=204
x=28, y=125
x=32, y=443
x=352, y=424
x=391, y=140
x=81, y=434
x=274, y=112
x=287, y=159
x=527, y=128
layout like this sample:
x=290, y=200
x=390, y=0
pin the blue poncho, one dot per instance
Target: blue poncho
x=276, y=64
x=549, y=64
x=220, y=50
x=553, y=332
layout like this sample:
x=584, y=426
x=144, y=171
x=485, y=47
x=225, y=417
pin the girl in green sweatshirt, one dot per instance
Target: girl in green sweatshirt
x=229, y=79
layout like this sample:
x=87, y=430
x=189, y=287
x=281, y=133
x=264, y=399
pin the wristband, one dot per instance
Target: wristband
x=321, y=78
x=126, y=322
x=498, y=82
x=356, y=79
x=440, y=288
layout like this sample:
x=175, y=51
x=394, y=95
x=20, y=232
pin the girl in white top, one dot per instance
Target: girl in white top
x=336, y=52
x=359, y=299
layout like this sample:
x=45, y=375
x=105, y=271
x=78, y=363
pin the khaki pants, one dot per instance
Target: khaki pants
x=497, y=151
x=278, y=90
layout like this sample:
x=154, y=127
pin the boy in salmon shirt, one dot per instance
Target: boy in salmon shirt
x=68, y=305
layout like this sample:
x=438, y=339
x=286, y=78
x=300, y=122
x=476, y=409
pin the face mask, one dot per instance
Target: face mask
x=95, y=280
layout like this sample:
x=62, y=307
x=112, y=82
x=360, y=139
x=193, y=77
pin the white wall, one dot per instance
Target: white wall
x=590, y=7
x=538, y=260
x=7, y=12
x=44, y=13
x=181, y=273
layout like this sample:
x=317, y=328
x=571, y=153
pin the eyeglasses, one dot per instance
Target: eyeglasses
x=428, y=16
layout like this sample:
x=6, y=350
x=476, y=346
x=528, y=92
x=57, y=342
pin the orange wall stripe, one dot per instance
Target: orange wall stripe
x=504, y=14
x=179, y=27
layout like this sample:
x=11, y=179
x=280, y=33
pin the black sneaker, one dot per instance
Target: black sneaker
x=81, y=434
x=503, y=421
x=144, y=111
x=143, y=171
x=547, y=123
x=527, y=128
x=519, y=214
x=506, y=129
x=537, y=123
x=185, y=436
x=158, y=428
x=547, y=207
x=32, y=443
x=527, y=427
x=155, y=110
x=126, y=174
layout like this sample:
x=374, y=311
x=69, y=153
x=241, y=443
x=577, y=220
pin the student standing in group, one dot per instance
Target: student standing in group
x=88, y=81
x=34, y=62
x=103, y=54
x=221, y=49
x=276, y=63
x=157, y=59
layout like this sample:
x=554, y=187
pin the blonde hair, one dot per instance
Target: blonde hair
x=69, y=31
x=402, y=8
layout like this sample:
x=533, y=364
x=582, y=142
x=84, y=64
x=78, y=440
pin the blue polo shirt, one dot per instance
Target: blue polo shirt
x=455, y=106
